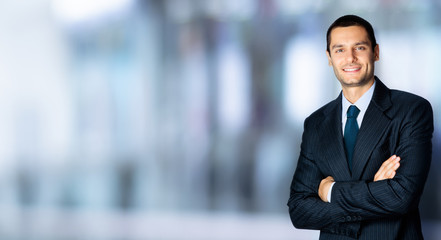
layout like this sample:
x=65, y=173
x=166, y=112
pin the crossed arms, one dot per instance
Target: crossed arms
x=387, y=171
x=393, y=190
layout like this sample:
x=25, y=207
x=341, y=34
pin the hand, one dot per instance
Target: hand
x=388, y=169
x=325, y=184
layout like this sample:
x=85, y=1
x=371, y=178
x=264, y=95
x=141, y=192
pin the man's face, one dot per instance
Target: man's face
x=351, y=56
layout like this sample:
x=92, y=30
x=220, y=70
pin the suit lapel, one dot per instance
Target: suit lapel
x=374, y=124
x=333, y=148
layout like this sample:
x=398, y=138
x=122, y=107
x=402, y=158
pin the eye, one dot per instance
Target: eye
x=339, y=51
x=361, y=48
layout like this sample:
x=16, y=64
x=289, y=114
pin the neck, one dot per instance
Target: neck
x=353, y=93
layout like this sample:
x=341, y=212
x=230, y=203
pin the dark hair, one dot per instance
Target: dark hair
x=351, y=20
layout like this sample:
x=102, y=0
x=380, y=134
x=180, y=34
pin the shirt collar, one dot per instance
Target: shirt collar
x=362, y=104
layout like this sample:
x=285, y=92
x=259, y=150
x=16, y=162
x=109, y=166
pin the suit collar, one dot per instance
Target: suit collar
x=372, y=129
x=375, y=123
x=381, y=97
x=334, y=151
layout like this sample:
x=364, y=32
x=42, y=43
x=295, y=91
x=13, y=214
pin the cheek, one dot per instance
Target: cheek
x=331, y=61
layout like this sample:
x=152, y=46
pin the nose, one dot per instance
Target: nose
x=351, y=56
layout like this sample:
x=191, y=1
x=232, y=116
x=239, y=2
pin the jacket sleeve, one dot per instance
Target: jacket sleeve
x=306, y=209
x=371, y=200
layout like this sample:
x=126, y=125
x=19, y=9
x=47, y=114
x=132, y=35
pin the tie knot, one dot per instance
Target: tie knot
x=353, y=112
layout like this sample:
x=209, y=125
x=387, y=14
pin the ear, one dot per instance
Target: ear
x=377, y=53
x=329, y=58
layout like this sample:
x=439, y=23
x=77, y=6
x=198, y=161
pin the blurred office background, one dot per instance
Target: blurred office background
x=181, y=119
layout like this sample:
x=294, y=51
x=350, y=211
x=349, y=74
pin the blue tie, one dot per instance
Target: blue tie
x=351, y=131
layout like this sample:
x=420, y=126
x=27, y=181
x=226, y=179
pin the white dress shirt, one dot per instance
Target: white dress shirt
x=362, y=104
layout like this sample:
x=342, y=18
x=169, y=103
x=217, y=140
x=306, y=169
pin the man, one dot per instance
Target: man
x=364, y=156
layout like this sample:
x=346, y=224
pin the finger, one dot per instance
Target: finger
x=392, y=171
x=328, y=179
x=396, y=166
x=387, y=162
x=382, y=172
x=392, y=164
x=380, y=175
x=392, y=158
x=391, y=174
x=387, y=169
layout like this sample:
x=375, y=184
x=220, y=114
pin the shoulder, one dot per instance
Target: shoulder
x=318, y=115
x=385, y=97
x=408, y=100
x=409, y=105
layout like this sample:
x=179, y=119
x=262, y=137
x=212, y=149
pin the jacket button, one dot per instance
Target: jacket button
x=348, y=218
x=359, y=218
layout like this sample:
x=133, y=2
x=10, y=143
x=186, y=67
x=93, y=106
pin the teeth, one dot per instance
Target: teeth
x=350, y=69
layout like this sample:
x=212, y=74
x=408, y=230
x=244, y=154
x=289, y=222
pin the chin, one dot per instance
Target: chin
x=351, y=81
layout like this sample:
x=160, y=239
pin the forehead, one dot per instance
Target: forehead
x=347, y=35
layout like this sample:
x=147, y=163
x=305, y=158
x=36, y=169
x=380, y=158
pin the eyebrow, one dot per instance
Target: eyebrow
x=356, y=44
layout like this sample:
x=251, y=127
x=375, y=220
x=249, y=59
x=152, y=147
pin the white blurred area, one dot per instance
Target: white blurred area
x=73, y=12
x=181, y=119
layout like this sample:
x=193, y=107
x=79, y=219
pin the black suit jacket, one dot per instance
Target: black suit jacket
x=395, y=122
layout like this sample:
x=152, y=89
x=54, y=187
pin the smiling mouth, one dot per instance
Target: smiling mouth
x=353, y=69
